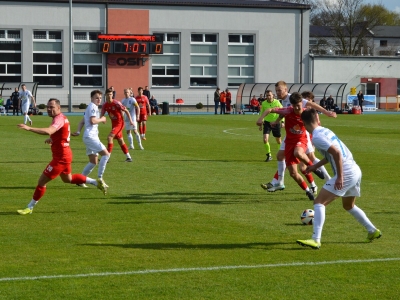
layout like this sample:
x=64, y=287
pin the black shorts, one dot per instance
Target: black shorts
x=276, y=130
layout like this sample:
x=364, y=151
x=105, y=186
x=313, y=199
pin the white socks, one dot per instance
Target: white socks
x=88, y=168
x=281, y=171
x=362, y=218
x=102, y=165
x=319, y=220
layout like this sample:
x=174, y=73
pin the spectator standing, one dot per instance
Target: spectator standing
x=146, y=92
x=216, y=100
x=330, y=103
x=145, y=111
x=114, y=93
x=360, y=98
x=16, y=101
x=255, y=105
x=26, y=98
x=228, y=97
x=222, y=100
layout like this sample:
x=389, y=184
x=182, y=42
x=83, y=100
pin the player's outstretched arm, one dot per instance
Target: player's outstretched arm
x=43, y=131
x=261, y=118
x=321, y=109
x=80, y=126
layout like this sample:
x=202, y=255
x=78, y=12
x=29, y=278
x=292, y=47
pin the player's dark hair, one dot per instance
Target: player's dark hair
x=139, y=88
x=95, y=92
x=108, y=91
x=55, y=100
x=269, y=91
x=309, y=116
x=295, y=98
x=308, y=95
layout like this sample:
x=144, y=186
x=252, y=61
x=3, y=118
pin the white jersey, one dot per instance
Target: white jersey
x=91, y=130
x=26, y=97
x=286, y=102
x=129, y=103
x=323, y=138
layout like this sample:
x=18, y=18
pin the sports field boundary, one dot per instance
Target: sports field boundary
x=195, y=269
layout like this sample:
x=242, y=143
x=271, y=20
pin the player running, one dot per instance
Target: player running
x=145, y=111
x=131, y=104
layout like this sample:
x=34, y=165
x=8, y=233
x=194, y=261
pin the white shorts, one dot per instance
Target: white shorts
x=310, y=147
x=25, y=107
x=93, y=146
x=128, y=126
x=351, y=184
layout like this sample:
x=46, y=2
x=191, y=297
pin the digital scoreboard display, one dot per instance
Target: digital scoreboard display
x=130, y=43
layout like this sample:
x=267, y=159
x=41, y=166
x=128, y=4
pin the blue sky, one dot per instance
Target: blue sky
x=392, y=5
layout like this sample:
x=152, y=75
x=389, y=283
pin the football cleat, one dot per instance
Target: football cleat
x=102, y=186
x=310, y=195
x=141, y=147
x=131, y=147
x=82, y=185
x=319, y=173
x=276, y=187
x=267, y=186
x=25, y=211
x=314, y=189
x=128, y=159
x=269, y=158
x=372, y=236
x=309, y=243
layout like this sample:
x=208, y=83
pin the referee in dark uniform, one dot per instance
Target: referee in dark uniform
x=15, y=101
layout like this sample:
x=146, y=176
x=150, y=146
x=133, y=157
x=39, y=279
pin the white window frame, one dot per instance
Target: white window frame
x=203, y=66
x=101, y=64
x=47, y=64
x=242, y=66
x=165, y=66
x=6, y=38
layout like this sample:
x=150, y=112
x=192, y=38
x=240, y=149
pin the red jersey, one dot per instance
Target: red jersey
x=228, y=97
x=60, y=140
x=254, y=102
x=294, y=127
x=143, y=102
x=114, y=110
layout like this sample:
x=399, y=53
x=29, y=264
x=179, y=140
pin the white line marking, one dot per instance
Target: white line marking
x=228, y=131
x=217, y=268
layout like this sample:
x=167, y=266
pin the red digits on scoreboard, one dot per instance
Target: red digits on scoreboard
x=106, y=47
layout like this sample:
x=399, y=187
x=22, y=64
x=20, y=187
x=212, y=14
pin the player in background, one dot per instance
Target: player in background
x=296, y=142
x=345, y=183
x=26, y=98
x=270, y=102
x=277, y=182
x=131, y=104
x=94, y=146
x=60, y=165
x=145, y=111
x=114, y=108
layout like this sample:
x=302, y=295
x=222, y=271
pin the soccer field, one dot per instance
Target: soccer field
x=187, y=219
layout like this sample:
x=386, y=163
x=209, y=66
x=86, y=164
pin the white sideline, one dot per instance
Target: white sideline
x=217, y=268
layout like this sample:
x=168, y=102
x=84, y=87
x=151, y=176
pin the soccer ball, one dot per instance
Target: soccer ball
x=153, y=113
x=307, y=217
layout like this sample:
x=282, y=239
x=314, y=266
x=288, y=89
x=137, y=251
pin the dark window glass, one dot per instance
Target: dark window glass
x=55, y=69
x=172, y=71
x=39, y=35
x=383, y=43
x=95, y=70
x=247, y=39
x=211, y=38
x=10, y=57
x=196, y=37
x=233, y=84
x=3, y=69
x=55, y=35
x=10, y=78
x=48, y=80
x=39, y=69
x=14, y=69
x=165, y=81
x=173, y=37
x=47, y=57
x=93, y=36
x=14, y=34
x=80, y=70
x=2, y=34
x=234, y=38
x=88, y=81
x=198, y=81
x=79, y=36
x=158, y=71
x=10, y=45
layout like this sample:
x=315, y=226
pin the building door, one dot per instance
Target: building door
x=371, y=89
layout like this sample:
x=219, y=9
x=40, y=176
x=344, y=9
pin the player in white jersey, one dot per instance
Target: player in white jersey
x=26, y=98
x=345, y=183
x=94, y=146
x=131, y=104
x=277, y=182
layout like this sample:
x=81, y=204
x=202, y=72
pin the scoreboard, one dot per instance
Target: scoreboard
x=130, y=43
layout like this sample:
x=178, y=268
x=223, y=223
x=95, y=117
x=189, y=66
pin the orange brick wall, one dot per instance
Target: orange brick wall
x=122, y=21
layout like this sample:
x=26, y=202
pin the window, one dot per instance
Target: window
x=47, y=57
x=383, y=43
x=10, y=55
x=240, y=59
x=203, y=60
x=165, y=71
x=88, y=64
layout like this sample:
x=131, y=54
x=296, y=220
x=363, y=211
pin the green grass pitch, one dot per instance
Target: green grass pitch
x=187, y=219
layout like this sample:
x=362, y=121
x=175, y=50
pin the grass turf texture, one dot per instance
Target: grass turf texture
x=192, y=200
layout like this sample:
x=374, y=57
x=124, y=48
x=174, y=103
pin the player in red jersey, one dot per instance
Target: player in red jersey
x=296, y=141
x=59, y=132
x=114, y=108
x=145, y=111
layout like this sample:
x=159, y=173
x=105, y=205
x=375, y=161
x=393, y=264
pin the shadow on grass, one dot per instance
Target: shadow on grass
x=185, y=246
x=199, y=198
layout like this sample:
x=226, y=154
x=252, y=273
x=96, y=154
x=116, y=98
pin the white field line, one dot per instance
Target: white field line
x=217, y=268
x=228, y=131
